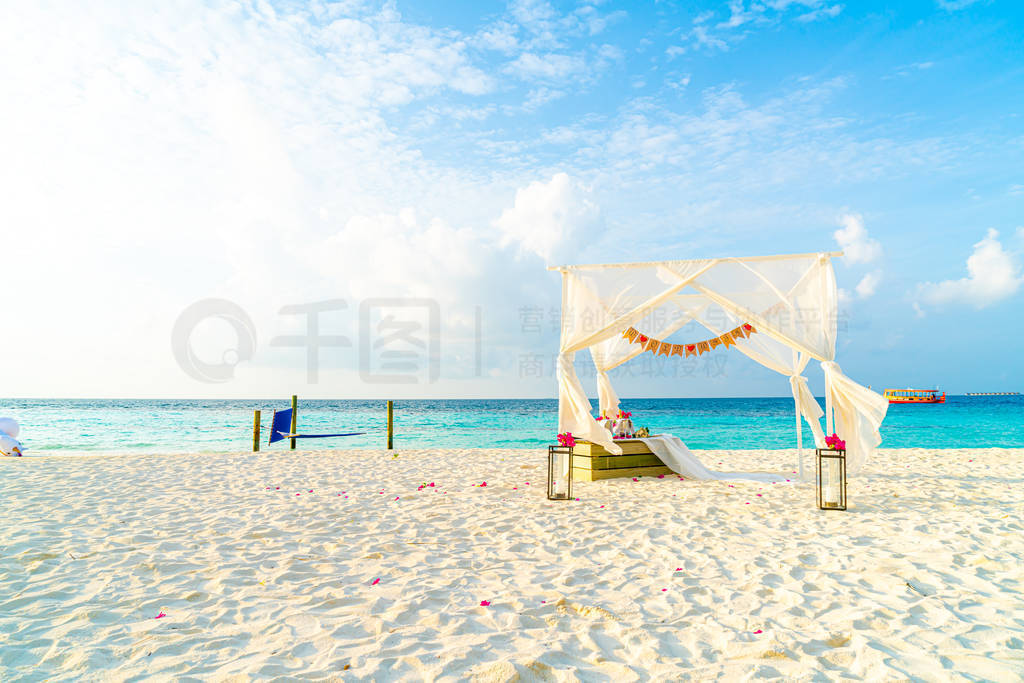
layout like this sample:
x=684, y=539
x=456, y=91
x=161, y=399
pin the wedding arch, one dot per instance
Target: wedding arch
x=781, y=311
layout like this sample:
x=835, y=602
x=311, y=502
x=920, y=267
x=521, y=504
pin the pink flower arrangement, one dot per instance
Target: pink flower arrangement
x=566, y=440
x=835, y=442
x=623, y=413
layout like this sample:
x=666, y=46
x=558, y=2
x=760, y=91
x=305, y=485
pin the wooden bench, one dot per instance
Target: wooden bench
x=591, y=462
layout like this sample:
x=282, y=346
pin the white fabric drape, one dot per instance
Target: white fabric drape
x=607, y=399
x=677, y=457
x=857, y=413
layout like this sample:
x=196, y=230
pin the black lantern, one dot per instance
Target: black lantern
x=831, y=478
x=559, y=473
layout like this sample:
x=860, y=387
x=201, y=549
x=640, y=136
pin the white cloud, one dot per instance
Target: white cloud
x=821, y=13
x=702, y=38
x=538, y=97
x=546, y=28
x=993, y=274
x=547, y=216
x=868, y=284
x=548, y=67
x=500, y=37
x=739, y=15
x=858, y=248
x=678, y=83
x=853, y=239
x=955, y=5
x=866, y=288
x=746, y=15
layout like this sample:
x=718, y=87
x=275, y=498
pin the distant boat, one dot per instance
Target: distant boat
x=993, y=393
x=914, y=396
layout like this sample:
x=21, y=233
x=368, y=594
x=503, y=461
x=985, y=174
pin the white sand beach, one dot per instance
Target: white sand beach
x=343, y=565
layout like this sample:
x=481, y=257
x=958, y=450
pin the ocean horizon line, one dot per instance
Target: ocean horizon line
x=970, y=394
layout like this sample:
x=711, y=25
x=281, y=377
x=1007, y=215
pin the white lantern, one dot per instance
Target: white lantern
x=831, y=478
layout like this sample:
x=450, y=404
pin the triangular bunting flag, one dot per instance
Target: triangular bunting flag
x=660, y=348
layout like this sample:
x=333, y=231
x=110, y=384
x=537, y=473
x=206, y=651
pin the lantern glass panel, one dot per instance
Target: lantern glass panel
x=831, y=479
x=830, y=486
x=559, y=473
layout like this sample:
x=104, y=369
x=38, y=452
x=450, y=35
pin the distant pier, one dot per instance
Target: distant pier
x=993, y=393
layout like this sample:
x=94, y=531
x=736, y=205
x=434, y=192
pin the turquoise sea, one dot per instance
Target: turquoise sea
x=51, y=426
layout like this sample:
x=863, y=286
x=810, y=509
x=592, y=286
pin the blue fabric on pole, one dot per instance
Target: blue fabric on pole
x=281, y=425
x=322, y=436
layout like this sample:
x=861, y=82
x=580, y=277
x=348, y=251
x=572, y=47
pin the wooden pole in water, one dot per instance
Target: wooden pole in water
x=255, y=431
x=391, y=424
x=295, y=417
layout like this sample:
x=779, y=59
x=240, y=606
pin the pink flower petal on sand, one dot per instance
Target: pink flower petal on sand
x=375, y=582
x=485, y=603
x=679, y=569
x=635, y=479
x=758, y=631
x=484, y=484
x=663, y=590
x=661, y=476
x=311, y=491
x=160, y=616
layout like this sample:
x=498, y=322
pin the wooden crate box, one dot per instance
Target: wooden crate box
x=592, y=462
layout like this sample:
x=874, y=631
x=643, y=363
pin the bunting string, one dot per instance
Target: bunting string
x=660, y=348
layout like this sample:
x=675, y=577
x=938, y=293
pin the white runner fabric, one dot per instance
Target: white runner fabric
x=673, y=452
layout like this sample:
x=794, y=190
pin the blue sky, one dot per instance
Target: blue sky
x=275, y=154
